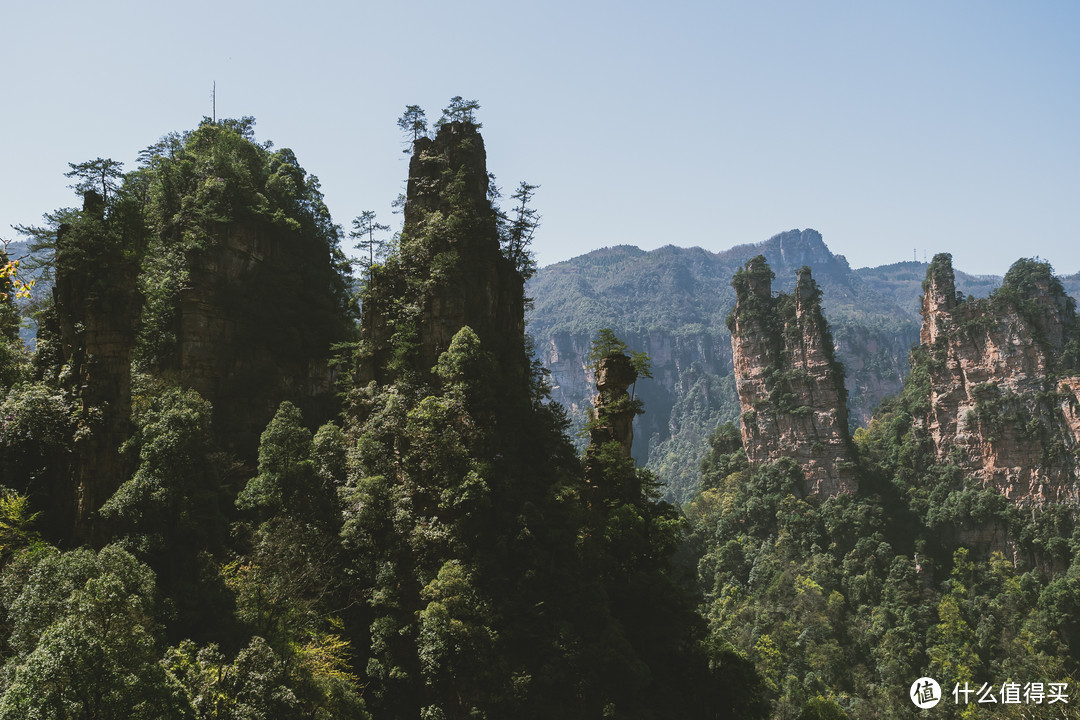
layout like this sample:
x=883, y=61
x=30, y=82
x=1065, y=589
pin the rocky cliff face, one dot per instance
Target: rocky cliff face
x=790, y=387
x=97, y=309
x=678, y=362
x=1002, y=394
x=246, y=339
x=614, y=376
x=450, y=264
x=671, y=303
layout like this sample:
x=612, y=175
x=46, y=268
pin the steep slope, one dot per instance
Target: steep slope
x=672, y=303
x=450, y=266
x=244, y=279
x=1002, y=385
x=958, y=554
x=495, y=575
x=96, y=309
x=791, y=389
x=214, y=267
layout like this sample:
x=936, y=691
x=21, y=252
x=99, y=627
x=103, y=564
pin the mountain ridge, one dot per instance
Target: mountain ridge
x=672, y=302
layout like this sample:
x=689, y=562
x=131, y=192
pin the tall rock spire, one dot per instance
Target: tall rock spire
x=791, y=388
x=97, y=306
x=448, y=271
x=1002, y=401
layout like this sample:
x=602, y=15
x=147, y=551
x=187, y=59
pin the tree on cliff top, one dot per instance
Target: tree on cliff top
x=459, y=111
x=413, y=122
x=102, y=174
x=607, y=344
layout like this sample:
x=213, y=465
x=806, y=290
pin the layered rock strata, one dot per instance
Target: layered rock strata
x=615, y=409
x=1003, y=402
x=790, y=386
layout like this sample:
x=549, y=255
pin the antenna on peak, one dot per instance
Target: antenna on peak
x=213, y=101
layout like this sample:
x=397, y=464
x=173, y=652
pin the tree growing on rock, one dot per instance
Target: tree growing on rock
x=413, y=122
x=364, y=229
x=459, y=110
x=99, y=174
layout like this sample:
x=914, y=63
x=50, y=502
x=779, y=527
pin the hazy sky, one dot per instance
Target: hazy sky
x=892, y=128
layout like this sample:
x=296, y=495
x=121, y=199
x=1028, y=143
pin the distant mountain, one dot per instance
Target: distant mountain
x=673, y=302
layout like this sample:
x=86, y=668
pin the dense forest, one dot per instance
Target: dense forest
x=243, y=478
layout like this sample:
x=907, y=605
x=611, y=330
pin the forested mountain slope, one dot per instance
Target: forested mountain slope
x=939, y=542
x=224, y=498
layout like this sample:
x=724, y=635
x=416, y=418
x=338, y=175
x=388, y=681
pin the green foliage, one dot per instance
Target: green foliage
x=83, y=632
x=16, y=523
x=455, y=642
x=260, y=685
x=517, y=234
x=172, y=512
x=442, y=551
x=413, y=123
x=938, y=270
x=194, y=192
x=286, y=584
x=364, y=229
x=287, y=579
x=38, y=424
x=839, y=602
x=605, y=345
x=726, y=457
x=755, y=308
x=820, y=708
x=672, y=302
x=497, y=582
x=286, y=476
x=608, y=345
x=175, y=488
x=84, y=639
x=459, y=111
x=13, y=284
x=101, y=174
x=708, y=403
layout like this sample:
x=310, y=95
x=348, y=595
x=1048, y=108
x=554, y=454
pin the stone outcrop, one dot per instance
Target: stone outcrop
x=615, y=410
x=670, y=302
x=609, y=466
x=449, y=266
x=97, y=309
x=248, y=337
x=1002, y=398
x=791, y=389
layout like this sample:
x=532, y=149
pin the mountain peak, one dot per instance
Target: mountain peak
x=795, y=248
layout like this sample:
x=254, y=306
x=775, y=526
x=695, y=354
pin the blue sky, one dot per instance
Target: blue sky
x=895, y=129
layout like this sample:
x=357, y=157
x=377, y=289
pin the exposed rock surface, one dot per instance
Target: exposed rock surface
x=614, y=376
x=247, y=339
x=450, y=264
x=671, y=303
x=791, y=389
x=1002, y=397
x=97, y=309
x=695, y=369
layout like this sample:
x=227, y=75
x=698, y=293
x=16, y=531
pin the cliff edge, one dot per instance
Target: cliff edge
x=790, y=386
